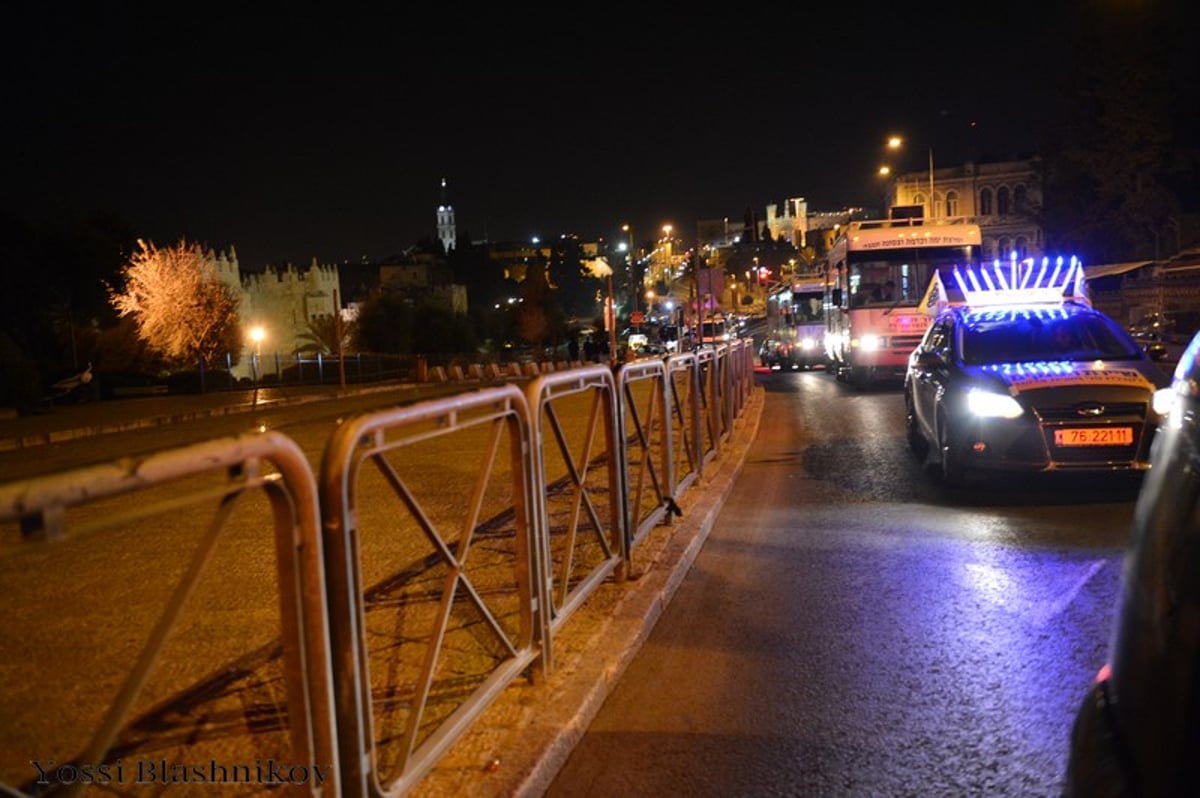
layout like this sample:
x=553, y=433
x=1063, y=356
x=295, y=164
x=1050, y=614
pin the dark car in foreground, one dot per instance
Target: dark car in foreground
x=1010, y=381
x=1137, y=731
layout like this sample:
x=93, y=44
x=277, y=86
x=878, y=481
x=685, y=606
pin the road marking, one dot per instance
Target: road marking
x=1046, y=611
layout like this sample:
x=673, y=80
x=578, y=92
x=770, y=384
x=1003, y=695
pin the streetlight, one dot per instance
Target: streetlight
x=895, y=143
x=257, y=334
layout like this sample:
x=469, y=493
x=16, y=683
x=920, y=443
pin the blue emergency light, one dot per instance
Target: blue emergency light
x=1012, y=283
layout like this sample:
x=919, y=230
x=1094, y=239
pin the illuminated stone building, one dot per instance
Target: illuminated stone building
x=1004, y=198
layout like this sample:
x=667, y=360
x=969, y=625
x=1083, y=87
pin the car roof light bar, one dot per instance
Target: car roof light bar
x=1017, y=282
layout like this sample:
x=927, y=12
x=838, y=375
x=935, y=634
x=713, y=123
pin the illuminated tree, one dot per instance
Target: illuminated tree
x=183, y=310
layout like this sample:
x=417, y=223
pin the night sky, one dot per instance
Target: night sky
x=293, y=133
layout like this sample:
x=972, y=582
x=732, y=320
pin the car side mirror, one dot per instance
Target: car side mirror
x=930, y=360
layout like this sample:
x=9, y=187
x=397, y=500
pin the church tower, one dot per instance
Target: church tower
x=445, y=222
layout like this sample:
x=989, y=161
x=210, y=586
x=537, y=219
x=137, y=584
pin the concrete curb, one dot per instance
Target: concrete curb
x=521, y=742
x=62, y=435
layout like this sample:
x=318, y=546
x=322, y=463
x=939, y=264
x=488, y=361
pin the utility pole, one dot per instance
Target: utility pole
x=337, y=331
x=932, y=212
x=612, y=323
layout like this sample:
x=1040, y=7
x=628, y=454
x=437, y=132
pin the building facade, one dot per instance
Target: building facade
x=1004, y=198
x=788, y=221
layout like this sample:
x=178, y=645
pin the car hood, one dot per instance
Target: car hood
x=1020, y=377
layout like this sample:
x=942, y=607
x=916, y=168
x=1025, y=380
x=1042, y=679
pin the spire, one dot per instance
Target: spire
x=446, y=229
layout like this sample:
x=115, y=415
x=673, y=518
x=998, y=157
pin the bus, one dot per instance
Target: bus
x=877, y=273
x=714, y=330
x=796, y=325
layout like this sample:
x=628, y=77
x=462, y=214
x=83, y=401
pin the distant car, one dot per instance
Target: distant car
x=777, y=355
x=1164, y=335
x=1030, y=385
x=1137, y=731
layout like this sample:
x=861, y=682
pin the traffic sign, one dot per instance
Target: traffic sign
x=637, y=317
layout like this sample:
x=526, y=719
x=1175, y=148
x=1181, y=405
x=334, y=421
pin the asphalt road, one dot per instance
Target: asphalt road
x=852, y=628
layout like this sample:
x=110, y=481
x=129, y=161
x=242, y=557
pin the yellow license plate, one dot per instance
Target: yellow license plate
x=1094, y=436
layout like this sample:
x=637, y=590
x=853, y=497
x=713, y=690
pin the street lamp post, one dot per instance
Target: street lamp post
x=895, y=143
x=630, y=258
x=257, y=334
x=612, y=323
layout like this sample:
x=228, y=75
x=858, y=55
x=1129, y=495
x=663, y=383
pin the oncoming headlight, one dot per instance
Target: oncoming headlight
x=993, y=405
x=808, y=343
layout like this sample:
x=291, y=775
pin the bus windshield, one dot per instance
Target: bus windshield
x=899, y=276
x=806, y=306
x=713, y=331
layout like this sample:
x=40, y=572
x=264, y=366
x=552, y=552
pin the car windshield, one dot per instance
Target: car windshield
x=1028, y=336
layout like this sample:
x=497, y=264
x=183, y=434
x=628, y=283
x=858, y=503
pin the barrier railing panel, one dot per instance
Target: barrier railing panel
x=722, y=393
x=684, y=406
x=710, y=406
x=429, y=537
x=579, y=484
x=646, y=433
x=166, y=625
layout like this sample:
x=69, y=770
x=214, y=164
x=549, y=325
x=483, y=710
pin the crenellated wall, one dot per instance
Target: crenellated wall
x=280, y=300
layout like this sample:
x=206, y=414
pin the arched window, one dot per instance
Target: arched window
x=1022, y=247
x=1020, y=198
x=936, y=206
x=1002, y=201
x=985, y=202
x=1005, y=247
x=919, y=199
x=952, y=203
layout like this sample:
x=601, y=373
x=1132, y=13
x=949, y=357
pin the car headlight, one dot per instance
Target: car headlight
x=808, y=343
x=993, y=405
x=1163, y=401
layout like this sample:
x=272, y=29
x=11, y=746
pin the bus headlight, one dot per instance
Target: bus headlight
x=868, y=343
x=993, y=405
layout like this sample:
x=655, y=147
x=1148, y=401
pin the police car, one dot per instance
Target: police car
x=1018, y=372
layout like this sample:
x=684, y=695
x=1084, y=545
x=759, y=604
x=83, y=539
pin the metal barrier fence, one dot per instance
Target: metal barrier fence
x=427, y=569
x=71, y=716
x=456, y=591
